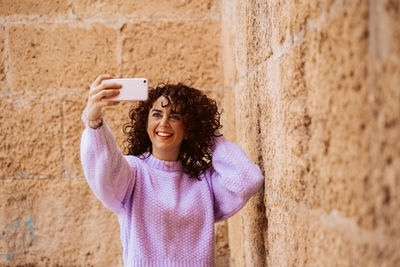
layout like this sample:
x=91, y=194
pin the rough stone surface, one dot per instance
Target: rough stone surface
x=315, y=86
x=61, y=56
x=72, y=108
x=310, y=90
x=2, y=60
x=150, y=9
x=228, y=115
x=221, y=244
x=174, y=52
x=31, y=7
x=56, y=222
x=30, y=134
x=338, y=120
x=291, y=19
x=301, y=237
x=259, y=34
x=236, y=239
x=50, y=53
x=384, y=81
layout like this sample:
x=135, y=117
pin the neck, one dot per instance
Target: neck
x=166, y=155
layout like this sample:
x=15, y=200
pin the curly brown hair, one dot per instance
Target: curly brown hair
x=201, y=119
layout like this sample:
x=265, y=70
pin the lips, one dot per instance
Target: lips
x=164, y=135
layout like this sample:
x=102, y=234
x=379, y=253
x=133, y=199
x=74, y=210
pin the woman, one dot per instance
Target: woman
x=179, y=177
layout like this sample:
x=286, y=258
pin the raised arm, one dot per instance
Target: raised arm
x=107, y=170
x=234, y=178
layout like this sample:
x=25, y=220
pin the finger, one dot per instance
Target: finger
x=100, y=78
x=106, y=94
x=103, y=87
x=107, y=103
x=112, y=103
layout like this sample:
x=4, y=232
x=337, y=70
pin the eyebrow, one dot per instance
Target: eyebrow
x=160, y=111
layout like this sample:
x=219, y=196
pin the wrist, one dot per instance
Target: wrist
x=94, y=124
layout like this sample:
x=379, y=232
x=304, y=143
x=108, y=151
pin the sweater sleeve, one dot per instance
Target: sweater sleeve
x=234, y=178
x=109, y=173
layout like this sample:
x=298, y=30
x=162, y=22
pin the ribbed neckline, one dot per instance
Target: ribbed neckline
x=171, y=166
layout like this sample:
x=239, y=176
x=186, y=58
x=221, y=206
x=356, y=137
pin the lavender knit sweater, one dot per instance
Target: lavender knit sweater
x=166, y=217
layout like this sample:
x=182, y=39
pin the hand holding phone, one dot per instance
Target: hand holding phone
x=132, y=89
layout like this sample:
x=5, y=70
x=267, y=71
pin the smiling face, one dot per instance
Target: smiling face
x=165, y=129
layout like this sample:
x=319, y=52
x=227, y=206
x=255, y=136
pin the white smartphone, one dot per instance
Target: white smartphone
x=132, y=89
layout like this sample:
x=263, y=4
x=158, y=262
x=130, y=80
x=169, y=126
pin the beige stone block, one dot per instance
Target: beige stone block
x=236, y=240
x=384, y=98
x=230, y=73
x=255, y=230
x=264, y=87
x=54, y=56
x=340, y=133
x=299, y=236
x=246, y=109
x=31, y=134
x=2, y=60
x=72, y=108
x=228, y=115
x=149, y=9
x=242, y=115
x=56, y=222
x=288, y=19
x=380, y=253
x=326, y=119
x=149, y=50
x=221, y=244
x=235, y=41
x=229, y=37
x=239, y=19
x=258, y=31
x=31, y=7
x=289, y=115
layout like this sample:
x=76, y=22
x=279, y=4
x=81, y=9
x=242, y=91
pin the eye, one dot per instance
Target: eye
x=156, y=114
x=176, y=117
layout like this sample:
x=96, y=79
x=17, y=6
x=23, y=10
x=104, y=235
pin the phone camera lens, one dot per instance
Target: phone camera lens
x=144, y=81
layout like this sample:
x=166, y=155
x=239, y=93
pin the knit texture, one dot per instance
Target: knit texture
x=166, y=217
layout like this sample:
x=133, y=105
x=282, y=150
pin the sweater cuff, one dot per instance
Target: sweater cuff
x=103, y=137
x=95, y=129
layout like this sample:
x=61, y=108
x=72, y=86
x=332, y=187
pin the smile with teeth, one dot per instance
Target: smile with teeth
x=164, y=135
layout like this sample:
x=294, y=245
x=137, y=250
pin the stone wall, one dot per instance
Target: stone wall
x=310, y=90
x=50, y=52
x=312, y=93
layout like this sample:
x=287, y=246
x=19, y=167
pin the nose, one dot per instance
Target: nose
x=164, y=121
